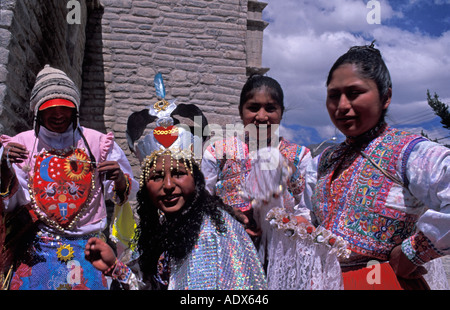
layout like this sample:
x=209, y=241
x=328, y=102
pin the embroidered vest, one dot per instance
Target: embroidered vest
x=353, y=205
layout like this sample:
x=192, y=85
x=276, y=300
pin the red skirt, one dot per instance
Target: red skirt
x=380, y=277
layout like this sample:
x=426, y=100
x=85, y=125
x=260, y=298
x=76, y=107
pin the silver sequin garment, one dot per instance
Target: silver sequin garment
x=225, y=261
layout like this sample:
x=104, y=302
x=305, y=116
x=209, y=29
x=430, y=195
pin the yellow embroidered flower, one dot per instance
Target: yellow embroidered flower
x=76, y=166
x=65, y=253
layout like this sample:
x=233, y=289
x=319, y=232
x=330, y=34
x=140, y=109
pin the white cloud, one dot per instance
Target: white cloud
x=287, y=133
x=293, y=16
x=416, y=63
x=304, y=38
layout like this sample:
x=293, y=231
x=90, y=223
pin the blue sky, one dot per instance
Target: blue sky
x=304, y=38
x=432, y=17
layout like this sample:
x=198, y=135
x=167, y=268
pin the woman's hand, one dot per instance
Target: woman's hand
x=99, y=254
x=302, y=220
x=403, y=267
x=246, y=219
x=112, y=171
x=14, y=153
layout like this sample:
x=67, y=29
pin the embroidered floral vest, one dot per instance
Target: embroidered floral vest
x=353, y=205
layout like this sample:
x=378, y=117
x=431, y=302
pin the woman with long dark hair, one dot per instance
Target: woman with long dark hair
x=186, y=238
x=384, y=190
x=227, y=163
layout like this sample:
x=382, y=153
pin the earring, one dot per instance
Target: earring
x=162, y=216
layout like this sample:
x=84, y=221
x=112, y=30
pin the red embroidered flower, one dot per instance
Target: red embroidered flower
x=286, y=220
x=23, y=271
x=309, y=229
x=332, y=241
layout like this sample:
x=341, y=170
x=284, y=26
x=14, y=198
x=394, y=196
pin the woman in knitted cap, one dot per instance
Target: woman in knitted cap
x=61, y=173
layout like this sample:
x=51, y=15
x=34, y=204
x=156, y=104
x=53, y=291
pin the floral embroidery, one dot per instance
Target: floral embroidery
x=419, y=249
x=353, y=205
x=121, y=272
x=22, y=272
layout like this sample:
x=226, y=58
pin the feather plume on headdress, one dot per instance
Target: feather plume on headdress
x=169, y=137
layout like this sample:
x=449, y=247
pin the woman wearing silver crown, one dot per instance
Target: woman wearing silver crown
x=186, y=238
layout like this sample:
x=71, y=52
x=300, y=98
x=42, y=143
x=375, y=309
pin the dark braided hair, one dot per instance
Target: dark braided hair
x=177, y=234
x=256, y=82
x=370, y=65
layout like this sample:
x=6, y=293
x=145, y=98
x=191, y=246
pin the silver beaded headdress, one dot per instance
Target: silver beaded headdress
x=169, y=137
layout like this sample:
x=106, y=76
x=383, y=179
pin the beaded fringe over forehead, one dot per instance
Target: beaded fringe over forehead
x=149, y=164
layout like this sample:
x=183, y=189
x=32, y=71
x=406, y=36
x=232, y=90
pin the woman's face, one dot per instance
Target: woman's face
x=171, y=191
x=353, y=102
x=261, y=109
x=57, y=119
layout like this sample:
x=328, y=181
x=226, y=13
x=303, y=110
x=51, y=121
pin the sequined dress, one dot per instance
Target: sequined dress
x=219, y=261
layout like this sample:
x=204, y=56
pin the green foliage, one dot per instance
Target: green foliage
x=440, y=109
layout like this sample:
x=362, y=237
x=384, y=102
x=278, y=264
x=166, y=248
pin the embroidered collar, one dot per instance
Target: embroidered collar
x=366, y=137
x=351, y=147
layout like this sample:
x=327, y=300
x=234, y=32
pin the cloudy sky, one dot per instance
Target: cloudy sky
x=304, y=38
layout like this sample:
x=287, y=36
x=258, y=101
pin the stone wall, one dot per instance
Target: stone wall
x=202, y=47
x=32, y=34
x=198, y=46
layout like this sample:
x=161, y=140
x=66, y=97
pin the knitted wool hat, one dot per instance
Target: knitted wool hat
x=52, y=83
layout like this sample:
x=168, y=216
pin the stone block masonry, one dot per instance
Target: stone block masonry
x=198, y=46
x=116, y=48
x=33, y=33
